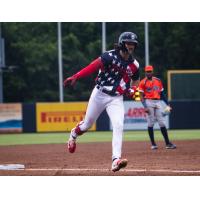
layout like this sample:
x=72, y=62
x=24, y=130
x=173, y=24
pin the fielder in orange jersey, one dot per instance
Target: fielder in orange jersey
x=151, y=94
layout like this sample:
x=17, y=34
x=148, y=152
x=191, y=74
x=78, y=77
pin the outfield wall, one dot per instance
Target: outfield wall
x=62, y=117
x=185, y=115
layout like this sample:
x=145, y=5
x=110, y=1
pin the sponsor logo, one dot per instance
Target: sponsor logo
x=135, y=115
x=59, y=117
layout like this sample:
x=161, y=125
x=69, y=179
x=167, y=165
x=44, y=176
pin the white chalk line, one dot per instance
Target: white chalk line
x=107, y=170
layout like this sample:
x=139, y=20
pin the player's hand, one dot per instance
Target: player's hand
x=169, y=107
x=131, y=92
x=147, y=110
x=70, y=81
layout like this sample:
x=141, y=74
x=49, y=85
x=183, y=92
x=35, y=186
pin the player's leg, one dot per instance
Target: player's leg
x=151, y=136
x=115, y=110
x=95, y=106
x=151, y=122
x=163, y=128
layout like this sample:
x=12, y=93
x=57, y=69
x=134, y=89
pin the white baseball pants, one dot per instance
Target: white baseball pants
x=115, y=108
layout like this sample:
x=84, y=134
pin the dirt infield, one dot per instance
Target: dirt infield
x=94, y=159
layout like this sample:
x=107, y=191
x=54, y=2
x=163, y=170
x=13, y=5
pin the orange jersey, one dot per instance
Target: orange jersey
x=151, y=88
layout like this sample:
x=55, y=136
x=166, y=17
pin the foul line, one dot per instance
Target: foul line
x=107, y=170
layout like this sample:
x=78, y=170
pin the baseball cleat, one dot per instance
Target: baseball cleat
x=154, y=147
x=71, y=145
x=117, y=164
x=170, y=146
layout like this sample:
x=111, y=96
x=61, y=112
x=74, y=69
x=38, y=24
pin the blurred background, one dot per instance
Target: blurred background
x=30, y=71
x=36, y=57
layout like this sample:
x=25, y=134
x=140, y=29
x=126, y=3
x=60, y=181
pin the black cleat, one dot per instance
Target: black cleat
x=170, y=146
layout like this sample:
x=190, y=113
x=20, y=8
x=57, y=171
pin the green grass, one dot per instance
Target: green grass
x=59, y=138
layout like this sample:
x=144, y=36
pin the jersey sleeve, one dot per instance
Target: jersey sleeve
x=136, y=76
x=135, y=70
x=90, y=69
x=106, y=59
x=141, y=86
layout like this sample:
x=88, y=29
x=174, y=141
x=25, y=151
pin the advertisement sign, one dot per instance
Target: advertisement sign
x=10, y=118
x=135, y=117
x=60, y=116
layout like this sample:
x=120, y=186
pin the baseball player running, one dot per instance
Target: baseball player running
x=151, y=93
x=118, y=71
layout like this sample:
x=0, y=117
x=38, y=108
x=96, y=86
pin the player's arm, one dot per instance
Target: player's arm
x=143, y=101
x=135, y=80
x=163, y=97
x=90, y=69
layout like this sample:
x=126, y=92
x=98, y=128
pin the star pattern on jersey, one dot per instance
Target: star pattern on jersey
x=114, y=62
x=114, y=71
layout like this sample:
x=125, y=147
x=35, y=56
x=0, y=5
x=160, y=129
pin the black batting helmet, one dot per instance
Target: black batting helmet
x=127, y=37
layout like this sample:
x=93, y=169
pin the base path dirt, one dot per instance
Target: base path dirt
x=94, y=159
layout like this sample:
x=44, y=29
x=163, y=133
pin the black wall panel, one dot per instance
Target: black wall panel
x=29, y=118
x=185, y=115
x=103, y=122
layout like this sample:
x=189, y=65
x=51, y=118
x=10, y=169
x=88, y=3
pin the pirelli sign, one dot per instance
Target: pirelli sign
x=60, y=116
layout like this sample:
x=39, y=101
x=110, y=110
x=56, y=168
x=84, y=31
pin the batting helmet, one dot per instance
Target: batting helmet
x=127, y=37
